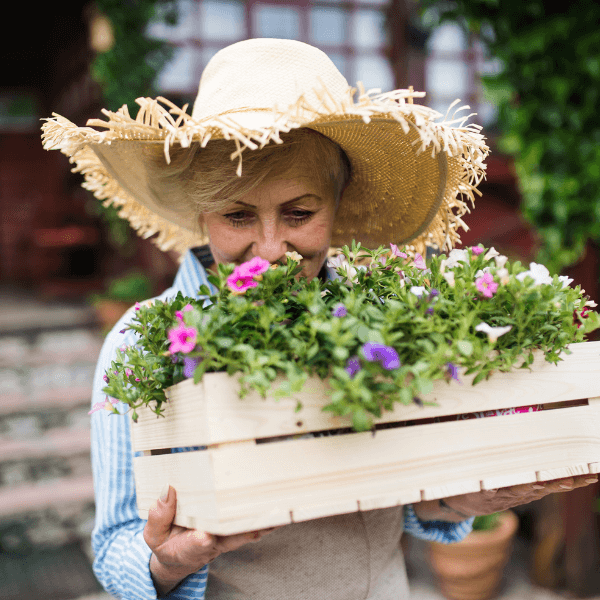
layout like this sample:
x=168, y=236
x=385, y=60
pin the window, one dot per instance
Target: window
x=454, y=65
x=351, y=33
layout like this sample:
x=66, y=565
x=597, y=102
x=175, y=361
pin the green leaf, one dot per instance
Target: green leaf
x=465, y=347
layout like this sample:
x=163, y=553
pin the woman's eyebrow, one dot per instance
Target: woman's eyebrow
x=246, y=204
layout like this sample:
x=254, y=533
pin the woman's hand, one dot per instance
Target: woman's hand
x=178, y=552
x=459, y=508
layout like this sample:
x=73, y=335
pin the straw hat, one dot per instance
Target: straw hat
x=412, y=173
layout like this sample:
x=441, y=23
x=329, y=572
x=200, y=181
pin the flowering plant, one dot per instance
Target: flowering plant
x=382, y=331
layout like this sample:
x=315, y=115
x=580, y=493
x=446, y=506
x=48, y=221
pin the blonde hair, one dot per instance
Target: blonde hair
x=201, y=180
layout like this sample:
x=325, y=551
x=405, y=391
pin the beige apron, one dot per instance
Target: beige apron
x=347, y=557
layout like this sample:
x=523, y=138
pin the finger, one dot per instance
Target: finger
x=233, y=542
x=160, y=519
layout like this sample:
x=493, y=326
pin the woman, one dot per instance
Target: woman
x=318, y=170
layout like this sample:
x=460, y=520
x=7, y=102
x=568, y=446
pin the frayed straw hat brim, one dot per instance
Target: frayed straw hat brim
x=413, y=174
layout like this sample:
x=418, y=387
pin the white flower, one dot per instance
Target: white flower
x=417, y=290
x=500, y=260
x=294, y=256
x=493, y=333
x=455, y=257
x=502, y=274
x=566, y=281
x=491, y=253
x=482, y=272
x=449, y=277
x=339, y=262
x=539, y=274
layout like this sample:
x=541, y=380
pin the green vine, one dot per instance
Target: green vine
x=547, y=92
x=127, y=71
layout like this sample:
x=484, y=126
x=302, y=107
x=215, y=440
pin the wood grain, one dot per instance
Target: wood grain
x=233, y=488
x=212, y=412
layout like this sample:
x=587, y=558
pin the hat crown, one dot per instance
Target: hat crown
x=264, y=73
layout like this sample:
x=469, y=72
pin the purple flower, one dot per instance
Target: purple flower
x=353, y=366
x=433, y=293
x=477, y=250
x=452, y=371
x=189, y=366
x=340, y=311
x=386, y=355
x=105, y=377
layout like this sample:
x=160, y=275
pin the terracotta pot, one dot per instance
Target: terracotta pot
x=472, y=569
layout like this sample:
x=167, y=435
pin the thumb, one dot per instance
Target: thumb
x=160, y=518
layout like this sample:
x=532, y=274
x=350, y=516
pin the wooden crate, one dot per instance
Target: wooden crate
x=247, y=478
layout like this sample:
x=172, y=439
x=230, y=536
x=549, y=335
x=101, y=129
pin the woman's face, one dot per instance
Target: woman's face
x=287, y=215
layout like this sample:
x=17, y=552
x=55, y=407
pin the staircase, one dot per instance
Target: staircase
x=47, y=359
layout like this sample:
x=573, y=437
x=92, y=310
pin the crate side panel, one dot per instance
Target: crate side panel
x=318, y=471
x=190, y=473
x=184, y=422
x=230, y=418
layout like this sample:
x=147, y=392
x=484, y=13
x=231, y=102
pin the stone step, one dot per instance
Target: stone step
x=64, y=399
x=27, y=497
x=60, y=441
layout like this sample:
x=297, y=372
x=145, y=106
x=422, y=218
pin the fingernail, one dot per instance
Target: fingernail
x=566, y=487
x=537, y=487
x=164, y=493
x=594, y=480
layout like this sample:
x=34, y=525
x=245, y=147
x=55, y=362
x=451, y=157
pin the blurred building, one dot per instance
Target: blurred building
x=52, y=240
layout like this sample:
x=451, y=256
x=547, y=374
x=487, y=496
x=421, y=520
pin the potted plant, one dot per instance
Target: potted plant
x=390, y=343
x=121, y=293
x=472, y=569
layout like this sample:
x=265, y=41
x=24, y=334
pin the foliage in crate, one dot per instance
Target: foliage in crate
x=381, y=332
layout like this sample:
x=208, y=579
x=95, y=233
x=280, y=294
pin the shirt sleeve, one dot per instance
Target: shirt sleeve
x=122, y=557
x=435, y=531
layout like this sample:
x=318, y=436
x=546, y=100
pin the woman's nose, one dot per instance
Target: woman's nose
x=270, y=246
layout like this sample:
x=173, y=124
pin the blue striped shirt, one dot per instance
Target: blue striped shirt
x=122, y=557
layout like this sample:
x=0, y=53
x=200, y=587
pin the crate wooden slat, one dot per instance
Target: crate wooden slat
x=238, y=485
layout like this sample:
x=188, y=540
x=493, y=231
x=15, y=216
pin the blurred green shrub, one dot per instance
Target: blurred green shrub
x=548, y=93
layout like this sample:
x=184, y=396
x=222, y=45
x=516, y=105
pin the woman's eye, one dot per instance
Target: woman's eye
x=239, y=218
x=298, y=217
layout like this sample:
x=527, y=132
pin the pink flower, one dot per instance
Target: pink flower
x=182, y=338
x=106, y=405
x=419, y=262
x=486, y=285
x=239, y=283
x=254, y=267
x=396, y=253
x=179, y=313
x=137, y=306
x=477, y=250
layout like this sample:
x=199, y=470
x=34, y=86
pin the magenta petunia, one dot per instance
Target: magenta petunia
x=179, y=313
x=486, y=285
x=477, y=250
x=240, y=283
x=182, y=338
x=386, y=355
x=254, y=267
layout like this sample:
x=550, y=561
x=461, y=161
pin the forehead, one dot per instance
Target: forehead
x=281, y=191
